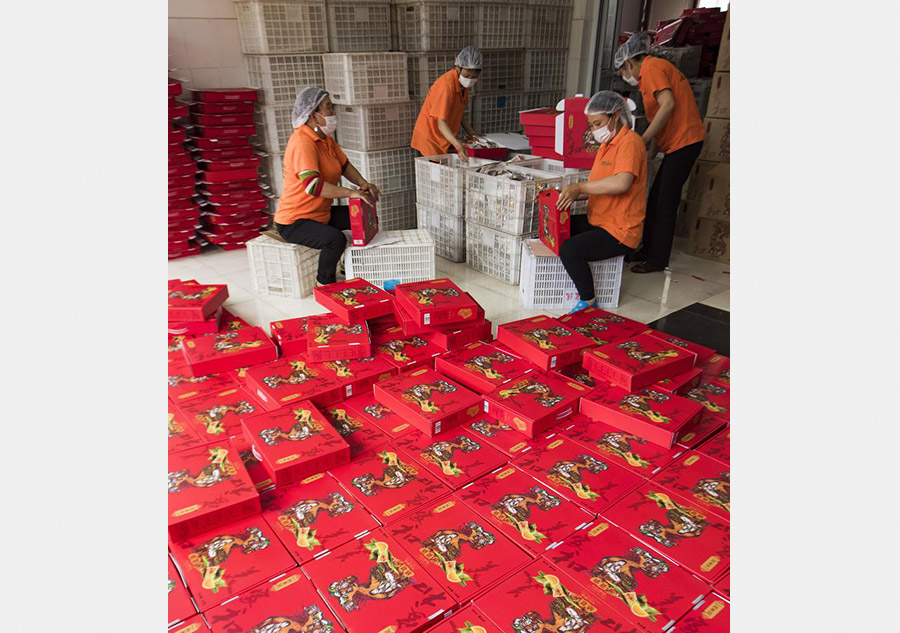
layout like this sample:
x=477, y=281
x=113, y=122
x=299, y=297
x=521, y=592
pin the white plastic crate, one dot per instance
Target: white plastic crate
x=397, y=210
x=569, y=175
x=373, y=127
x=409, y=259
x=549, y=24
x=440, y=182
x=494, y=253
x=545, y=70
x=503, y=72
x=507, y=205
x=424, y=69
x=448, y=231
x=433, y=25
x=497, y=113
x=268, y=27
x=359, y=25
x=363, y=78
x=542, y=99
x=545, y=284
x=280, y=77
x=274, y=169
x=389, y=169
x=279, y=269
x=276, y=127
x=500, y=24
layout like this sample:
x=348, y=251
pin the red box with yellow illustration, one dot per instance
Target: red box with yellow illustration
x=406, y=352
x=654, y=415
x=260, y=477
x=184, y=387
x=502, y=436
x=373, y=584
x=714, y=397
x=602, y=327
x=290, y=379
x=713, y=615
x=195, y=302
x=717, y=368
x=554, y=225
x=579, y=374
x=718, y=447
x=463, y=552
x=436, y=302
x=361, y=434
x=367, y=407
x=701, y=351
x=453, y=337
x=354, y=300
x=680, y=384
x=290, y=335
x=703, y=480
x=181, y=433
x=328, y=338
x=637, y=361
x=482, y=367
x=294, y=442
x=534, y=402
x=208, y=487
x=180, y=605
x=196, y=328
x=358, y=374
x=700, y=431
x=217, y=416
x=544, y=341
x=455, y=457
x=363, y=221
x=431, y=402
x=217, y=353
x=314, y=516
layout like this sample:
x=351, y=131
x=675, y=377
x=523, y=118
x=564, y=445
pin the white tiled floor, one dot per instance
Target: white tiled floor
x=644, y=297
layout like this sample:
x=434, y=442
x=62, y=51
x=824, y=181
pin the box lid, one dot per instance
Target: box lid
x=714, y=397
x=502, y=436
x=697, y=432
x=648, y=406
x=638, y=353
x=455, y=457
x=545, y=335
x=326, y=330
x=486, y=366
x=427, y=395
x=203, y=298
x=226, y=344
x=218, y=415
x=292, y=378
x=361, y=434
x=702, y=479
x=424, y=298
x=367, y=407
x=537, y=395
x=350, y=295
x=701, y=351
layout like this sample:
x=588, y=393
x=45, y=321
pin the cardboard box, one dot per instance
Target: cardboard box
x=217, y=416
x=184, y=387
x=638, y=361
x=679, y=529
x=431, y=402
x=470, y=619
x=315, y=516
x=698, y=432
x=503, y=436
x=193, y=302
x=554, y=226
x=373, y=584
x=714, y=397
x=290, y=335
x=601, y=326
x=717, y=146
x=712, y=615
x=544, y=341
x=698, y=180
x=535, y=402
x=367, y=407
x=713, y=191
x=680, y=384
x=260, y=477
x=406, y=352
x=701, y=351
x=195, y=624
x=361, y=434
x=702, y=479
x=217, y=353
x=579, y=474
x=482, y=367
x=208, y=487
x=630, y=579
x=180, y=605
x=283, y=603
x=181, y=434
x=524, y=509
x=363, y=222
x=573, y=135
x=290, y=379
x=455, y=457
x=710, y=239
x=436, y=302
x=224, y=562
x=295, y=442
x=723, y=62
x=354, y=300
x=328, y=338
x=718, y=447
x=717, y=369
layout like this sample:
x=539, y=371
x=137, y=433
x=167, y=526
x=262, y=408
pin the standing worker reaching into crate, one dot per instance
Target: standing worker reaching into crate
x=676, y=129
x=313, y=166
x=444, y=109
x=616, y=192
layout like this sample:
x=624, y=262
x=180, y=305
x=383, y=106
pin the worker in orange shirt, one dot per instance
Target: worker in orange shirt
x=444, y=109
x=616, y=191
x=313, y=165
x=676, y=129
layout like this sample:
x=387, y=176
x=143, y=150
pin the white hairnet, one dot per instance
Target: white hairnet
x=306, y=103
x=469, y=57
x=637, y=44
x=609, y=102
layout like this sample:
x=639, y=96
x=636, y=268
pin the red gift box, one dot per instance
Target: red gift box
x=715, y=398
x=192, y=302
x=436, y=302
x=524, y=509
x=579, y=148
x=491, y=153
x=713, y=615
x=389, y=483
x=601, y=326
x=225, y=153
x=453, y=337
x=719, y=447
x=637, y=361
x=406, y=352
x=627, y=577
x=248, y=186
x=382, y=324
x=195, y=624
x=701, y=351
x=717, y=368
x=180, y=605
x=455, y=457
x=539, y=117
x=328, y=338
x=367, y=407
x=315, y=516
x=463, y=552
x=469, y=620
x=218, y=415
x=544, y=341
x=680, y=384
x=534, y=402
x=359, y=374
x=293, y=378
x=724, y=586
x=222, y=107
x=205, y=131
x=679, y=529
x=184, y=387
x=178, y=111
x=196, y=328
x=582, y=476
x=182, y=435
x=579, y=374
x=208, y=487
x=216, y=353
x=354, y=300
x=290, y=335
x=373, y=584
x=244, y=118
x=174, y=87
x=554, y=226
x=363, y=222
x=699, y=431
x=210, y=168
x=362, y=435
x=229, y=176
x=220, y=143
x=226, y=561
x=431, y=402
x=502, y=436
x=703, y=480
x=262, y=480
x=295, y=442
x=482, y=367
x=219, y=95
x=654, y=415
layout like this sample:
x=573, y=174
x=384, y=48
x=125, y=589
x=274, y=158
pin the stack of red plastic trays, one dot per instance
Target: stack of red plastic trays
x=232, y=201
x=184, y=212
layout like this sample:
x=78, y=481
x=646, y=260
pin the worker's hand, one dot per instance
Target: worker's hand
x=362, y=195
x=461, y=150
x=568, y=195
x=371, y=189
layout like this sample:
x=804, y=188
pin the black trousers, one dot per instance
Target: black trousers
x=588, y=243
x=326, y=237
x=663, y=201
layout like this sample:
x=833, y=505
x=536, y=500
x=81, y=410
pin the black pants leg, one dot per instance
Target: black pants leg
x=588, y=244
x=326, y=237
x=663, y=201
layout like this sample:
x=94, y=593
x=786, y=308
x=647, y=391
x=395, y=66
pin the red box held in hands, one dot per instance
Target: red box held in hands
x=328, y=338
x=436, y=302
x=363, y=221
x=554, y=225
x=544, y=341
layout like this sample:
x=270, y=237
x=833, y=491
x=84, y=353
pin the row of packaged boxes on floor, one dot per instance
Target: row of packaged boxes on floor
x=444, y=468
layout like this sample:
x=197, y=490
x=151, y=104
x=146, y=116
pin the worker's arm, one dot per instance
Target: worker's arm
x=609, y=186
x=451, y=138
x=317, y=187
x=352, y=174
x=666, y=107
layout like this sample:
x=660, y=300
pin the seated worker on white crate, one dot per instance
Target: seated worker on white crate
x=313, y=166
x=616, y=191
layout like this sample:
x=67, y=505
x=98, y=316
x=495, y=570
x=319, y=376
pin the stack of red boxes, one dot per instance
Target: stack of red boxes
x=540, y=128
x=232, y=199
x=184, y=213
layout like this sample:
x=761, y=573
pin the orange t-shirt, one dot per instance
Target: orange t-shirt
x=447, y=100
x=621, y=215
x=684, y=127
x=308, y=162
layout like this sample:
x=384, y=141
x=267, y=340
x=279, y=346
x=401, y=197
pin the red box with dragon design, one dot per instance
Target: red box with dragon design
x=717, y=368
x=718, y=447
x=534, y=402
x=436, y=302
x=184, y=387
x=701, y=351
x=181, y=433
x=217, y=416
x=502, y=436
x=260, y=477
x=217, y=353
x=295, y=442
x=702, y=479
x=365, y=406
x=482, y=367
x=638, y=361
x=544, y=341
x=680, y=384
x=432, y=403
x=195, y=302
x=714, y=397
x=713, y=615
x=361, y=434
x=180, y=605
x=354, y=300
x=406, y=352
x=723, y=586
x=554, y=225
x=327, y=338
x=290, y=335
x=601, y=326
x=196, y=328
x=358, y=374
x=453, y=337
x=455, y=457
x=373, y=584
x=463, y=552
x=698, y=432
x=290, y=379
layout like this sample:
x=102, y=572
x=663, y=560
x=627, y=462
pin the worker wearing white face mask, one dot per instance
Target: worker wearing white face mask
x=616, y=192
x=313, y=165
x=444, y=109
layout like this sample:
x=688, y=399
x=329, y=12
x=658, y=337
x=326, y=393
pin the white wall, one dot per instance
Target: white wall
x=578, y=66
x=204, y=46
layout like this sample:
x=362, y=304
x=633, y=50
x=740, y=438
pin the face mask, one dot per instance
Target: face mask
x=330, y=125
x=602, y=134
x=467, y=82
x=631, y=80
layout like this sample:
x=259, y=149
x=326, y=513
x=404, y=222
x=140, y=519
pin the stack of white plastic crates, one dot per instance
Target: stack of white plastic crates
x=546, y=285
x=404, y=256
x=549, y=24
